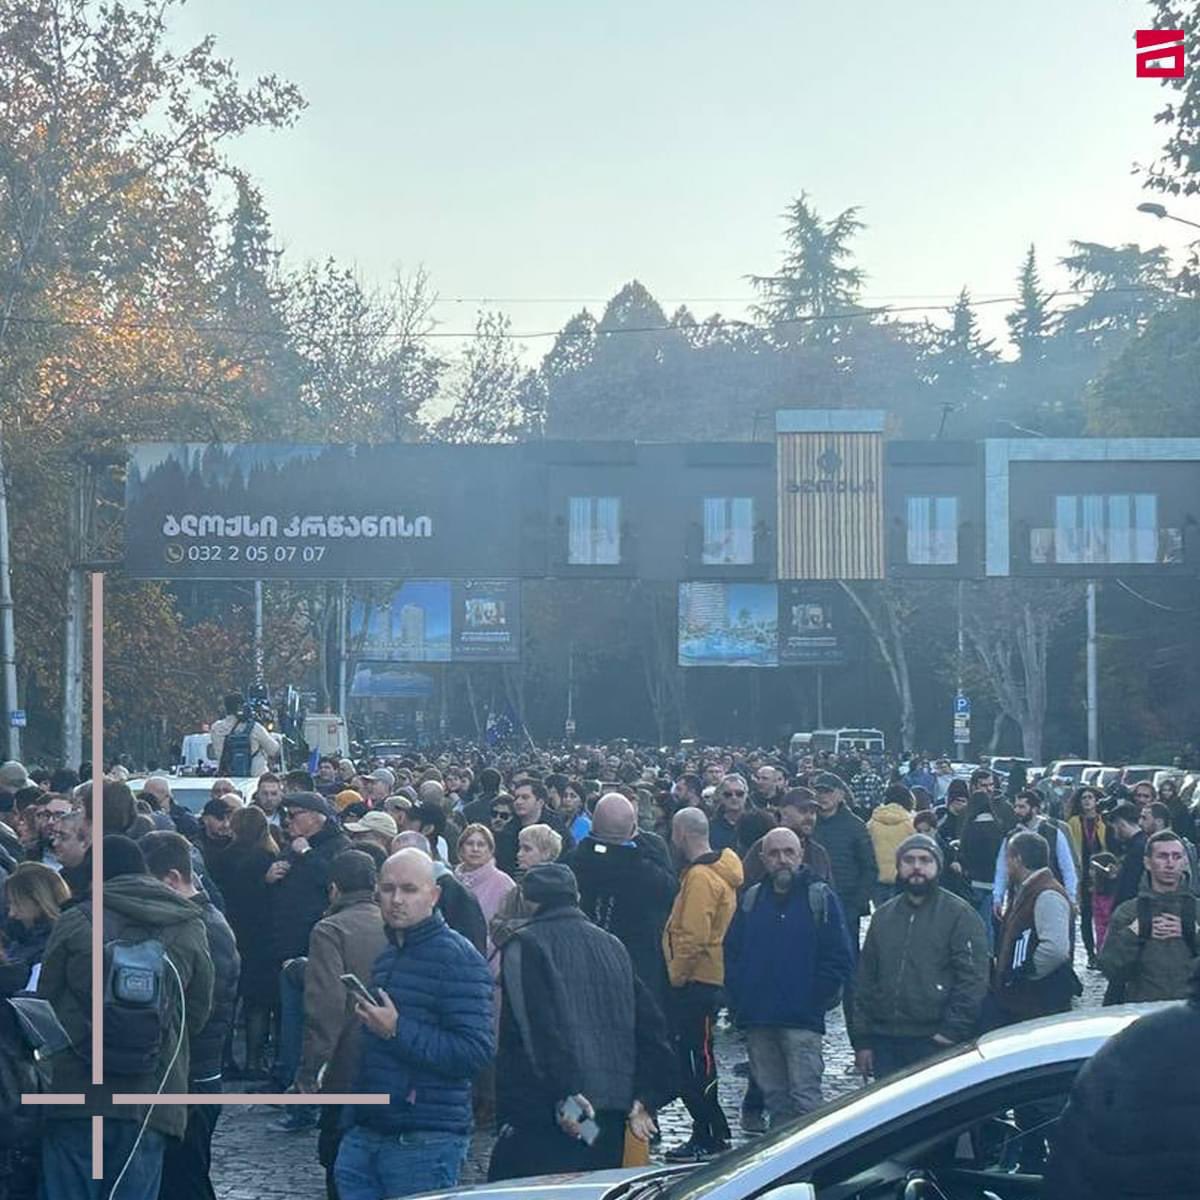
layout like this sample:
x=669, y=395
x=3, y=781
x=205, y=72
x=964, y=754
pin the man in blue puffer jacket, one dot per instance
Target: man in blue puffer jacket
x=429, y=1036
x=787, y=957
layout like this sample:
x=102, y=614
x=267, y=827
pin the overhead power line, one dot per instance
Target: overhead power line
x=854, y=314
x=1183, y=612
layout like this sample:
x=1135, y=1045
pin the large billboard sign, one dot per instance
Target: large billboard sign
x=267, y=511
x=726, y=624
x=440, y=620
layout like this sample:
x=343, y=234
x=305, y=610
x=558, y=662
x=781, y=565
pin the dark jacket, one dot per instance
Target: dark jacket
x=1129, y=1129
x=208, y=1046
x=782, y=968
x=923, y=970
x=346, y=941
x=79, y=878
x=722, y=835
x=248, y=899
x=137, y=907
x=459, y=906
x=852, y=857
x=442, y=989
x=185, y=821
x=299, y=899
x=575, y=1020
x=816, y=860
x=506, y=840
x=626, y=891
x=23, y=950
x=1149, y=968
x=1133, y=867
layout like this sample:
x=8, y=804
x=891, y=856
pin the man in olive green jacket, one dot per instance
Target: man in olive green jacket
x=923, y=974
x=137, y=908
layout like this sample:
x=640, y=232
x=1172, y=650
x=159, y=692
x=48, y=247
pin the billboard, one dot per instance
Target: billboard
x=811, y=625
x=440, y=620
x=725, y=624
x=728, y=624
x=267, y=511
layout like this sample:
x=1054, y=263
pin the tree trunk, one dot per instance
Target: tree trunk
x=894, y=658
x=997, y=730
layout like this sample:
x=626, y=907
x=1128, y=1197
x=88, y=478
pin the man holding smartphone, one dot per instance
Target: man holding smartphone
x=423, y=1043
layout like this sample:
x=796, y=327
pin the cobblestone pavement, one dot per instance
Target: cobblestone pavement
x=251, y=1161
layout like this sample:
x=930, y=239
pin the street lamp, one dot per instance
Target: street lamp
x=1159, y=211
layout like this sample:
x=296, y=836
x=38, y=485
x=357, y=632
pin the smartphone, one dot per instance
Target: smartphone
x=589, y=1131
x=358, y=989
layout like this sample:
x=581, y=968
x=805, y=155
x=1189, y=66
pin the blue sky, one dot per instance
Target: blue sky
x=521, y=149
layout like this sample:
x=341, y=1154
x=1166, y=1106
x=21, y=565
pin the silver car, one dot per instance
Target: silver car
x=971, y=1123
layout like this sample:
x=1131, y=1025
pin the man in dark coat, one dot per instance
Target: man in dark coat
x=299, y=892
x=530, y=807
x=1129, y=1129
x=625, y=889
x=577, y=1028
x=456, y=902
x=186, y=1163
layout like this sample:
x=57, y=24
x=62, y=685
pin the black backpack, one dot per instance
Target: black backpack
x=237, y=751
x=1187, y=918
x=136, y=995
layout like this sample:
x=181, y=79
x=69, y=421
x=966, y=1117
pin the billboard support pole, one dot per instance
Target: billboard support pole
x=820, y=697
x=258, y=632
x=343, y=646
x=1093, y=704
x=72, y=699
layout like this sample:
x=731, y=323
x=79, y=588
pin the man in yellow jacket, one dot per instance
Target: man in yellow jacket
x=890, y=824
x=693, y=943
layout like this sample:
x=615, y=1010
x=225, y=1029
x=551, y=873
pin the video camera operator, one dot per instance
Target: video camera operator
x=240, y=743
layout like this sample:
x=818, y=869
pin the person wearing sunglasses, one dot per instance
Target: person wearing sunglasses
x=502, y=814
x=731, y=805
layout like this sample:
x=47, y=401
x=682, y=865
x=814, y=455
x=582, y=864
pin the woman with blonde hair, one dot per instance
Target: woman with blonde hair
x=35, y=895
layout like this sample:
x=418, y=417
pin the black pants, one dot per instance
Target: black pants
x=853, y=927
x=543, y=1149
x=896, y=1054
x=693, y=1012
x=1085, y=920
x=186, y=1163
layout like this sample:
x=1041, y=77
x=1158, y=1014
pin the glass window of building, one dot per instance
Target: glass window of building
x=1117, y=528
x=594, y=537
x=728, y=531
x=933, y=531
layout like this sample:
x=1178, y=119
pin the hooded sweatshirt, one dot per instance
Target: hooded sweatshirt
x=137, y=908
x=693, y=941
x=889, y=825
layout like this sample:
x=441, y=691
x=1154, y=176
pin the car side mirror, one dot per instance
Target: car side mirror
x=791, y=1191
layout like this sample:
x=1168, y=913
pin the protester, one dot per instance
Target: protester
x=35, y=895
x=576, y=1026
x=1152, y=946
x=787, y=957
x=529, y=807
x=733, y=797
x=186, y=1163
x=693, y=946
x=456, y=902
x=889, y=825
x=924, y=970
x=254, y=744
x=478, y=873
x=422, y=1044
x=140, y=1056
x=1027, y=808
x=1130, y=841
x=1089, y=836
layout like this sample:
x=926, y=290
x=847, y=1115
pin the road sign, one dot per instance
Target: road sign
x=962, y=727
x=16, y=718
x=962, y=705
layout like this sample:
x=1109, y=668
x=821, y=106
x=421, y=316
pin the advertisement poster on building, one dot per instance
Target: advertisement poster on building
x=811, y=625
x=728, y=624
x=485, y=620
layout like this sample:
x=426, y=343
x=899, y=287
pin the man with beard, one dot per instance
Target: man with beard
x=923, y=974
x=787, y=957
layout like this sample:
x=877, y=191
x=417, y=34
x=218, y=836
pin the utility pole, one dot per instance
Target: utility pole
x=258, y=632
x=570, y=726
x=343, y=647
x=73, y=631
x=8, y=651
x=820, y=698
x=1093, y=703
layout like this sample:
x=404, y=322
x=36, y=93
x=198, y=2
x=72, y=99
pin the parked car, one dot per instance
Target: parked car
x=1069, y=770
x=1100, y=777
x=847, y=741
x=958, y=1126
x=1002, y=765
x=1141, y=773
x=193, y=791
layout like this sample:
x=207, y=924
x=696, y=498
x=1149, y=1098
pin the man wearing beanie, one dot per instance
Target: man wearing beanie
x=139, y=1058
x=923, y=974
x=583, y=1047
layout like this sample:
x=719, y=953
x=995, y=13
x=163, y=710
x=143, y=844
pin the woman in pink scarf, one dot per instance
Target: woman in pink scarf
x=477, y=870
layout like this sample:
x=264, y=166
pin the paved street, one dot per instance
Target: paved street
x=253, y=1162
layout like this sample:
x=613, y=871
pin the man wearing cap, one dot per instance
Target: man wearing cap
x=299, y=893
x=923, y=975
x=380, y=784
x=377, y=827
x=787, y=957
x=577, y=1028
x=13, y=777
x=797, y=812
x=852, y=859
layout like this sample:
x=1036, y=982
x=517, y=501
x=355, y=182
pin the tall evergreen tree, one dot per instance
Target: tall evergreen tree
x=960, y=369
x=817, y=278
x=1030, y=324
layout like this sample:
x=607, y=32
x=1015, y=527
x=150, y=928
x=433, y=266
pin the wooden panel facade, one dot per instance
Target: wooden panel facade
x=830, y=505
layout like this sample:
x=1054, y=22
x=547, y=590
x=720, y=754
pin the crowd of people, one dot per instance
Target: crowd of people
x=539, y=944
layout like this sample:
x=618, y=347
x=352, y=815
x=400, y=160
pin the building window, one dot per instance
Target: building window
x=933, y=531
x=595, y=531
x=728, y=531
x=1120, y=528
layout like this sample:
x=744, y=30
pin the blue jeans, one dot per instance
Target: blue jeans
x=291, y=1031
x=378, y=1166
x=67, y=1161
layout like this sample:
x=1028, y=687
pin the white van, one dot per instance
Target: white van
x=846, y=741
x=326, y=733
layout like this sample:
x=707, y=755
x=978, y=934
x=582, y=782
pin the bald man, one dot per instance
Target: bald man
x=427, y=1037
x=625, y=888
x=456, y=902
x=787, y=957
